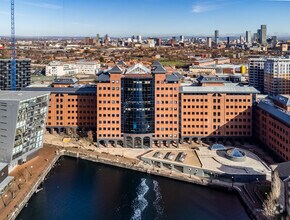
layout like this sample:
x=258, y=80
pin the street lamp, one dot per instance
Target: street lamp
x=19, y=185
x=257, y=182
x=232, y=182
x=5, y=196
x=211, y=177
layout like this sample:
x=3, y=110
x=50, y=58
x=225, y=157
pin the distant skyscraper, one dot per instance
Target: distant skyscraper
x=255, y=37
x=181, y=38
x=248, y=37
x=259, y=34
x=242, y=40
x=139, y=38
x=216, y=36
x=209, y=42
x=274, y=41
x=107, y=39
x=228, y=40
x=263, y=35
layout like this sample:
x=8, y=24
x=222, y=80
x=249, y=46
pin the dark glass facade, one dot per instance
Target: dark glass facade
x=138, y=105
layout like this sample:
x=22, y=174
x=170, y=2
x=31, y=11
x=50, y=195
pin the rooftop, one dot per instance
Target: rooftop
x=283, y=169
x=268, y=106
x=283, y=99
x=227, y=88
x=70, y=80
x=68, y=90
x=22, y=95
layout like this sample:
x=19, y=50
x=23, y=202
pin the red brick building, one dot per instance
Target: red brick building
x=139, y=106
x=272, y=124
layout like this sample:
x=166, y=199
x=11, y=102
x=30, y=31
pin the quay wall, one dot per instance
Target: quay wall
x=213, y=183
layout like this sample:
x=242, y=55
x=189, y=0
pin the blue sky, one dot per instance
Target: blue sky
x=144, y=17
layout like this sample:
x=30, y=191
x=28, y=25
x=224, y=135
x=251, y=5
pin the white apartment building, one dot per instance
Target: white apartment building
x=277, y=76
x=61, y=69
x=90, y=68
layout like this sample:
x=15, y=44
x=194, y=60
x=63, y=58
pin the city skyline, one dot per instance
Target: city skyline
x=147, y=18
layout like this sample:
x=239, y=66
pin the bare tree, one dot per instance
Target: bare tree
x=13, y=188
x=269, y=205
x=90, y=136
x=276, y=185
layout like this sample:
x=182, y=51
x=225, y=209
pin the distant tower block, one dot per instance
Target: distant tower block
x=216, y=36
x=209, y=42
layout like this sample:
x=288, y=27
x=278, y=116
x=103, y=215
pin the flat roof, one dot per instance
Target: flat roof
x=228, y=88
x=217, y=162
x=2, y=165
x=278, y=113
x=283, y=99
x=191, y=158
x=68, y=90
x=21, y=95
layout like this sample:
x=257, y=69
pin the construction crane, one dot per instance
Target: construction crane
x=13, y=49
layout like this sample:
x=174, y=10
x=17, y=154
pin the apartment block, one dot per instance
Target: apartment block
x=277, y=76
x=22, y=124
x=256, y=73
x=272, y=124
x=23, y=73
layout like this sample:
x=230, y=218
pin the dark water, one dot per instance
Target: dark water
x=79, y=189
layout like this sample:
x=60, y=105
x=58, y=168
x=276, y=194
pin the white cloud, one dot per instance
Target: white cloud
x=43, y=5
x=200, y=8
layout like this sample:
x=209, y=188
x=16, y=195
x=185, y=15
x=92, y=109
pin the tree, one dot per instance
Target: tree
x=269, y=205
x=13, y=189
x=90, y=136
x=102, y=59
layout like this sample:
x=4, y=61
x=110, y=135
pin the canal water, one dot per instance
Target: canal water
x=78, y=189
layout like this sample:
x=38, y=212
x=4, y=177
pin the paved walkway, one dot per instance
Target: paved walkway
x=24, y=178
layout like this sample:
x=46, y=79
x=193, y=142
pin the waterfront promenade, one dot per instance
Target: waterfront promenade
x=29, y=175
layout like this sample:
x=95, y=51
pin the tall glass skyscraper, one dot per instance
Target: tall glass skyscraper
x=263, y=35
x=216, y=36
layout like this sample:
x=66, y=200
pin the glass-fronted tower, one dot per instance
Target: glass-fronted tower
x=138, y=107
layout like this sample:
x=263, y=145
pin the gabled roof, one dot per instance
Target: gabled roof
x=159, y=69
x=116, y=69
x=104, y=77
x=138, y=69
x=122, y=63
x=156, y=63
x=174, y=77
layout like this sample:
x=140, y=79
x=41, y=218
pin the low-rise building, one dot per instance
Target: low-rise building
x=90, y=68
